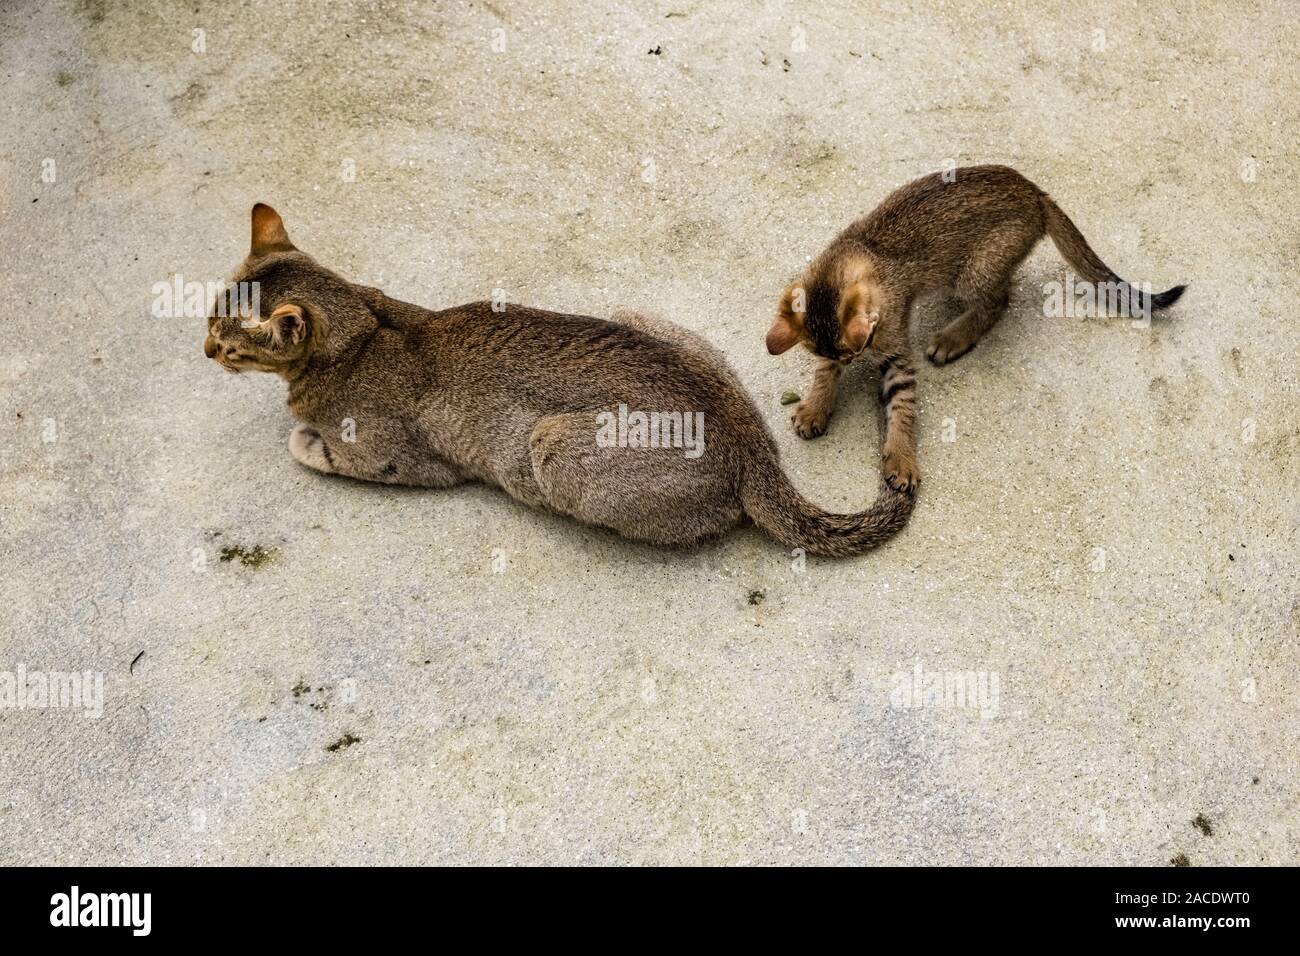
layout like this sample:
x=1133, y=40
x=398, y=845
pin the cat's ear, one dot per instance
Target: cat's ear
x=269, y=234
x=782, y=336
x=787, y=327
x=858, y=317
x=287, y=325
x=860, y=330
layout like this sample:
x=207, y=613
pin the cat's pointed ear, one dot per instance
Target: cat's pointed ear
x=782, y=336
x=269, y=234
x=787, y=327
x=861, y=330
x=287, y=325
x=858, y=317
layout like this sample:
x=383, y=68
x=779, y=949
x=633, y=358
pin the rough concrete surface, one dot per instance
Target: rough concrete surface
x=1107, y=524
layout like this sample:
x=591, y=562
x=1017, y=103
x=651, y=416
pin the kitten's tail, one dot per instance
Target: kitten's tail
x=777, y=507
x=1076, y=251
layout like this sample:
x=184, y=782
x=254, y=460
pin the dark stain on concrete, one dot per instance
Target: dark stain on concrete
x=343, y=743
x=253, y=557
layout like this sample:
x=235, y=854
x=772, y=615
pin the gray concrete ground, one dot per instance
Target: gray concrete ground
x=407, y=676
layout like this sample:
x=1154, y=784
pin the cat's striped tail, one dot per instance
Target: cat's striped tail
x=1075, y=250
x=779, y=509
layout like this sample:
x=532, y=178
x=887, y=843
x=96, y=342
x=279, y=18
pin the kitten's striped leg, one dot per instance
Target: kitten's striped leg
x=898, y=401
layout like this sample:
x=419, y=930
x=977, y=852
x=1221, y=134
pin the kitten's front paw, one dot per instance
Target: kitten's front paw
x=306, y=445
x=810, y=420
x=901, y=471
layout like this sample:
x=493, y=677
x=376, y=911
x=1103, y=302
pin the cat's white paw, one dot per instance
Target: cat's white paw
x=306, y=445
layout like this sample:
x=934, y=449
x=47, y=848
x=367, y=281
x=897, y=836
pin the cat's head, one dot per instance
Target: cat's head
x=832, y=310
x=282, y=308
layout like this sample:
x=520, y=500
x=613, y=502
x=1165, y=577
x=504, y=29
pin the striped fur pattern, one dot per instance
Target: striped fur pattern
x=387, y=391
x=898, y=403
x=963, y=233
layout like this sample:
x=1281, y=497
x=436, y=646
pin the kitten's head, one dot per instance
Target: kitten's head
x=282, y=308
x=832, y=310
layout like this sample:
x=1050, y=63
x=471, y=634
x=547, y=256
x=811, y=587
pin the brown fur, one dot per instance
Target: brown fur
x=511, y=398
x=966, y=236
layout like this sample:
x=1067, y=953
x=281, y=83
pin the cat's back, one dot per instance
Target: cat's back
x=933, y=206
x=520, y=334
x=570, y=358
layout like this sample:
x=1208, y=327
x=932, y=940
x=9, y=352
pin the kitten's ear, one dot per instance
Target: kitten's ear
x=787, y=327
x=858, y=317
x=269, y=234
x=860, y=330
x=782, y=336
x=287, y=325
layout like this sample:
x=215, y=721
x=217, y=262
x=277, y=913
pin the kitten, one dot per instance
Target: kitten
x=387, y=391
x=966, y=235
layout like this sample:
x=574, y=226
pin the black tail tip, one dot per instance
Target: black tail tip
x=1163, y=300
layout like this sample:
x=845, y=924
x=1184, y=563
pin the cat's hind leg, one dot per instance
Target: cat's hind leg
x=648, y=494
x=984, y=286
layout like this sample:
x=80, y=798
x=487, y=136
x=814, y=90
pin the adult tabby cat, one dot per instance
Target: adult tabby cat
x=517, y=398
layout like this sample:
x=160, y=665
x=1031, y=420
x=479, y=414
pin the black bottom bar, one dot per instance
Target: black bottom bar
x=318, y=905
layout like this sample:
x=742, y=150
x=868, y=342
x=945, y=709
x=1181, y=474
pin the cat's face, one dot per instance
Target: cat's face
x=253, y=343
x=832, y=311
x=263, y=321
